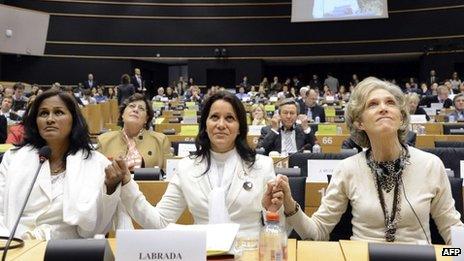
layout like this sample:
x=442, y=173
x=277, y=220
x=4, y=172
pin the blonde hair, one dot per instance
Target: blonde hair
x=253, y=109
x=412, y=96
x=357, y=104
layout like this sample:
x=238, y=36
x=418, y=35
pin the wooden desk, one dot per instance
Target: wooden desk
x=14, y=254
x=331, y=143
x=319, y=250
x=37, y=251
x=428, y=141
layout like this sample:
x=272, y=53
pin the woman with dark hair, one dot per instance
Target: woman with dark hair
x=69, y=198
x=224, y=181
x=135, y=142
x=125, y=89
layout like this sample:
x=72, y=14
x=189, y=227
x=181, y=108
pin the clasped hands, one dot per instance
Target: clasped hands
x=116, y=173
x=278, y=193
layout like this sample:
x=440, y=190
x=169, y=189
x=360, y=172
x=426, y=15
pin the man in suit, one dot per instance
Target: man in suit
x=441, y=97
x=138, y=82
x=315, y=83
x=432, y=78
x=5, y=110
x=19, y=99
x=275, y=86
x=284, y=135
x=90, y=83
x=311, y=109
x=458, y=102
x=245, y=84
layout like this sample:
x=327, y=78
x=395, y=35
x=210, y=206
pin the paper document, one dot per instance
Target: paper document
x=219, y=237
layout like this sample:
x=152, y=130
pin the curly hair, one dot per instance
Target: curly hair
x=357, y=104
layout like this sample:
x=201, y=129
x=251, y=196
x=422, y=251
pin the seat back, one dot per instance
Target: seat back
x=449, y=144
x=344, y=229
x=451, y=158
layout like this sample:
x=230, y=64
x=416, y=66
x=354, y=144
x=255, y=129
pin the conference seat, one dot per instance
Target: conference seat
x=449, y=144
x=451, y=158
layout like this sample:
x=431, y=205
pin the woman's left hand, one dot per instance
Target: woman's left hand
x=115, y=173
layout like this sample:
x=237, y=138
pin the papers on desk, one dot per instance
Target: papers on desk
x=219, y=237
x=457, y=238
x=418, y=118
x=319, y=169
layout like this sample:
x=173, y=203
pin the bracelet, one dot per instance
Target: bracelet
x=297, y=207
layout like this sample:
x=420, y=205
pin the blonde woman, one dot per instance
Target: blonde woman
x=392, y=188
x=258, y=115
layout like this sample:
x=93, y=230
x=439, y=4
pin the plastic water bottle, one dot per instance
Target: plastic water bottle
x=316, y=148
x=339, y=130
x=272, y=240
x=317, y=119
x=310, y=114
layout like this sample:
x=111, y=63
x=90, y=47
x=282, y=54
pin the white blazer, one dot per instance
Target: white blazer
x=189, y=188
x=85, y=203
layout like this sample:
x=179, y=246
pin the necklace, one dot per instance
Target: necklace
x=387, y=176
x=59, y=169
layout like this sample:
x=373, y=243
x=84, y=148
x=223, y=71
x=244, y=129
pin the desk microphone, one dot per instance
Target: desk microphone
x=44, y=154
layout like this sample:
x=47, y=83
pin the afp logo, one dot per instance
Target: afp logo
x=451, y=251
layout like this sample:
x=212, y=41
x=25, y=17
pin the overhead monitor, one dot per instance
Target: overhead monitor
x=333, y=10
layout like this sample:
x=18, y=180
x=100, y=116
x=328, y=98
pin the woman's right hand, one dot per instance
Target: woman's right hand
x=115, y=173
x=283, y=185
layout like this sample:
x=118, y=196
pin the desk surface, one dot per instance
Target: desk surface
x=35, y=250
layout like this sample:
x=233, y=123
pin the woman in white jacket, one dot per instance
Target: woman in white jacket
x=223, y=182
x=69, y=198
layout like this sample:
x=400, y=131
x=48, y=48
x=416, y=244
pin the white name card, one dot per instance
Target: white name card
x=185, y=149
x=153, y=244
x=457, y=240
x=418, y=118
x=430, y=111
x=319, y=169
x=437, y=106
x=171, y=168
x=255, y=129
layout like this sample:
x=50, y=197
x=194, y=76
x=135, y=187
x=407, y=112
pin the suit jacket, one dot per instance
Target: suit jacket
x=271, y=141
x=434, y=99
x=455, y=114
x=137, y=86
x=317, y=111
x=87, y=84
x=189, y=188
x=85, y=203
x=124, y=92
x=154, y=147
x=3, y=128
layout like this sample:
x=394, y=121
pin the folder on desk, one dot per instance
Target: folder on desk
x=219, y=237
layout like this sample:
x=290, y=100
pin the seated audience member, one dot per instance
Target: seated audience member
x=327, y=92
x=5, y=110
x=258, y=115
x=425, y=90
x=135, y=142
x=343, y=95
x=171, y=94
x=374, y=182
x=302, y=96
x=413, y=102
x=461, y=88
x=99, y=96
x=86, y=98
x=159, y=95
x=223, y=182
x=19, y=99
x=441, y=97
x=455, y=82
x=311, y=108
x=458, y=112
x=194, y=94
x=284, y=134
x=241, y=93
x=110, y=93
x=284, y=92
x=70, y=91
x=74, y=173
x=125, y=89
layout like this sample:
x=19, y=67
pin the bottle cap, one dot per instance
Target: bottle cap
x=272, y=216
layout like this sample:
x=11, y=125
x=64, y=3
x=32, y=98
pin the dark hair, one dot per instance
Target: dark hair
x=202, y=142
x=125, y=79
x=79, y=137
x=133, y=98
x=18, y=85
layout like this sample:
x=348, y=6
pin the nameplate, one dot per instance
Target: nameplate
x=269, y=107
x=190, y=119
x=273, y=99
x=185, y=149
x=327, y=129
x=164, y=99
x=430, y=111
x=153, y=244
x=255, y=129
x=188, y=130
x=159, y=120
x=319, y=169
x=329, y=111
x=190, y=104
x=157, y=105
x=418, y=118
x=436, y=106
x=171, y=168
x=190, y=113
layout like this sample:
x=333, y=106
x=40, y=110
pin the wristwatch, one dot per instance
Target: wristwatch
x=297, y=207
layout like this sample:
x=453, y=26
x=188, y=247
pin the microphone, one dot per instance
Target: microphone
x=306, y=146
x=44, y=154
